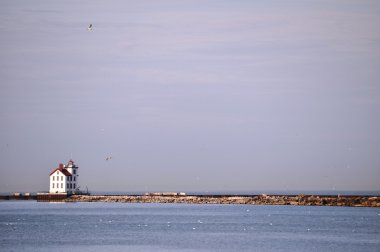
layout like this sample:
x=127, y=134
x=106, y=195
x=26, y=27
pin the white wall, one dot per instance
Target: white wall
x=58, y=178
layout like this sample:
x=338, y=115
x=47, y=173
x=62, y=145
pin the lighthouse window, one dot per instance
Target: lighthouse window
x=53, y=185
x=74, y=178
x=53, y=178
x=61, y=185
x=67, y=185
x=74, y=186
x=75, y=171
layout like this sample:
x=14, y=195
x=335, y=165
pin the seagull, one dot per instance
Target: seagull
x=108, y=158
x=89, y=27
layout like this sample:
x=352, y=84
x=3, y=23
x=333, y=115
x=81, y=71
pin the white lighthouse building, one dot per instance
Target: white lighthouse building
x=64, y=179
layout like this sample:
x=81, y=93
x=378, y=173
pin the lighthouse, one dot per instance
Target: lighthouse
x=64, y=179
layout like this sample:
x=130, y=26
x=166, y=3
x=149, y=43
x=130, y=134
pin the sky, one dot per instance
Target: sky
x=191, y=95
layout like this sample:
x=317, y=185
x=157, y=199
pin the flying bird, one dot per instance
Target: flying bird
x=89, y=27
x=108, y=158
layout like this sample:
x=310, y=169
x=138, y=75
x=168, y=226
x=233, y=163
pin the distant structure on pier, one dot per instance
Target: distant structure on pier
x=64, y=179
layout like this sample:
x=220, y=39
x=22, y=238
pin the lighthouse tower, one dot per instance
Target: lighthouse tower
x=73, y=179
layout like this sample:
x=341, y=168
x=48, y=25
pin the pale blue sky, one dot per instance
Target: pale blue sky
x=191, y=95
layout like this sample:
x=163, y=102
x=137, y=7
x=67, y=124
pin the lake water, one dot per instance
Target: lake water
x=32, y=226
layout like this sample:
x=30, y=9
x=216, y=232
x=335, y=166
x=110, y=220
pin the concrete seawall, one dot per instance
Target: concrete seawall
x=304, y=200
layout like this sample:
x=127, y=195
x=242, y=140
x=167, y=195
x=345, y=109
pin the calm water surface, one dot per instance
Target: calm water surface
x=32, y=226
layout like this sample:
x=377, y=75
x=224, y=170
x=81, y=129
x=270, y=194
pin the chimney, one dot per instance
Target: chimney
x=60, y=166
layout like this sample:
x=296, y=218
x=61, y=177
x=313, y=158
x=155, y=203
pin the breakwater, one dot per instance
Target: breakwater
x=304, y=200
x=18, y=196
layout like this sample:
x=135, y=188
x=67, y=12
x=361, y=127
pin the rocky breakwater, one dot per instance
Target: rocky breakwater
x=304, y=200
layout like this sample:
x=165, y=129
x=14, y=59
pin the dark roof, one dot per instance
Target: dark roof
x=71, y=162
x=63, y=170
x=66, y=172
